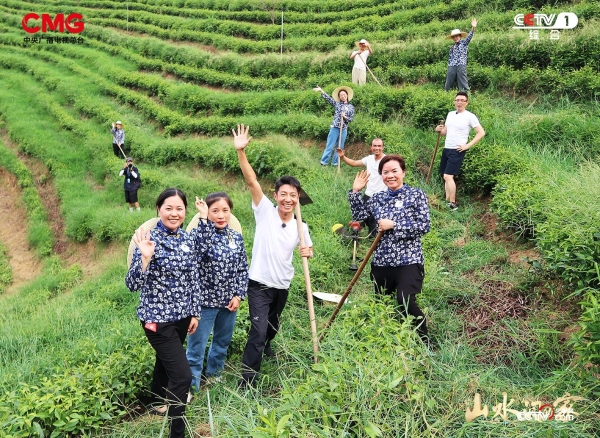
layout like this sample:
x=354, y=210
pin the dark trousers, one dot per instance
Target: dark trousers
x=117, y=151
x=370, y=221
x=265, y=305
x=172, y=376
x=457, y=73
x=403, y=283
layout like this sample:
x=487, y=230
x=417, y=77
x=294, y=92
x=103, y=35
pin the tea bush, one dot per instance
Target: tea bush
x=367, y=343
x=568, y=238
x=487, y=163
x=586, y=341
x=78, y=400
x=518, y=200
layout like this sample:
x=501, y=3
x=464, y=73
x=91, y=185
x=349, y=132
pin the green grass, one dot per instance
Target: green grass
x=499, y=326
x=6, y=275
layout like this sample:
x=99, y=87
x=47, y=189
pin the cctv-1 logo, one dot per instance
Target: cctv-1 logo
x=73, y=23
x=564, y=20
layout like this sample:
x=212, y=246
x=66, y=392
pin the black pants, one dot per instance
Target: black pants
x=117, y=151
x=403, y=283
x=265, y=305
x=172, y=376
x=370, y=221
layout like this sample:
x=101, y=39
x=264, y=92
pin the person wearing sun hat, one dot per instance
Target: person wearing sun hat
x=344, y=114
x=457, y=61
x=118, y=139
x=359, y=71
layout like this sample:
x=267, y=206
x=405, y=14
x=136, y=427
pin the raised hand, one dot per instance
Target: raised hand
x=474, y=22
x=141, y=238
x=201, y=207
x=360, y=181
x=318, y=89
x=241, y=139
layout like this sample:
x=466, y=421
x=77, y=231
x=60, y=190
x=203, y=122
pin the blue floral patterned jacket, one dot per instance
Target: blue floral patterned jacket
x=170, y=287
x=409, y=210
x=223, y=265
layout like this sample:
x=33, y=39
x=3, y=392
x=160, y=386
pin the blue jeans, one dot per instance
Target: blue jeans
x=220, y=321
x=332, y=144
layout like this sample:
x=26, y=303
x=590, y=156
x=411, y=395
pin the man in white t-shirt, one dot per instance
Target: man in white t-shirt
x=457, y=128
x=359, y=71
x=375, y=183
x=271, y=271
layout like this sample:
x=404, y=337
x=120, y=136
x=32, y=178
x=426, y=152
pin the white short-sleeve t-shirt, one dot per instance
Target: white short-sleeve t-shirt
x=274, y=246
x=375, y=183
x=458, y=127
x=358, y=64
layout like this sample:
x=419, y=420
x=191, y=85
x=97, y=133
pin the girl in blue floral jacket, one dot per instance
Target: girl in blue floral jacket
x=223, y=270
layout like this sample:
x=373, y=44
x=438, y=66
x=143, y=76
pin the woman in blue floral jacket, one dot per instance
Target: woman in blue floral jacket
x=403, y=214
x=164, y=271
x=223, y=269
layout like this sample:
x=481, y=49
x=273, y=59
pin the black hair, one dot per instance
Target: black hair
x=211, y=198
x=289, y=180
x=463, y=93
x=167, y=193
x=392, y=157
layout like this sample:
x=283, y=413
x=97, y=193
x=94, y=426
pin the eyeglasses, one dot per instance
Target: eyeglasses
x=460, y=100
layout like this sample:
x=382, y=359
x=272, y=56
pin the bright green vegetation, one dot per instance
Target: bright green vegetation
x=5, y=270
x=181, y=74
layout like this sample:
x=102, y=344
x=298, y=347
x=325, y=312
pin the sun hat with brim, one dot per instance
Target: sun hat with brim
x=118, y=122
x=336, y=93
x=456, y=32
x=234, y=224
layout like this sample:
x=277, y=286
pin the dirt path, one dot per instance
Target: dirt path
x=24, y=263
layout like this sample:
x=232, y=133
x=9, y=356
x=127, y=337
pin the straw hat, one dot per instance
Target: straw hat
x=336, y=93
x=234, y=224
x=456, y=32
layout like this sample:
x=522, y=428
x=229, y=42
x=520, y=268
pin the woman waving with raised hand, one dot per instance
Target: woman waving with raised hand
x=402, y=213
x=223, y=269
x=164, y=270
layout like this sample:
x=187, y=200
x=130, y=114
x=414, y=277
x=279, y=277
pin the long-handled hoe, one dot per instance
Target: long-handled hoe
x=304, y=200
x=437, y=143
x=352, y=282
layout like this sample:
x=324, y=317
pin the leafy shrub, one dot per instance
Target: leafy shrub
x=586, y=341
x=78, y=400
x=367, y=343
x=518, y=200
x=568, y=238
x=486, y=163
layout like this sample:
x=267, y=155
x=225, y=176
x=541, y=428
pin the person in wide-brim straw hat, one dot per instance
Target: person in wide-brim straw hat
x=457, y=60
x=456, y=32
x=360, y=56
x=344, y=114
x=348, y=90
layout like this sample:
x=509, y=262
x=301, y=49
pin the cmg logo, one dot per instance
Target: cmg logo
x=73, y=23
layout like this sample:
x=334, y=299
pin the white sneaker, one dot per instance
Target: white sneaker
x=190, y=398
